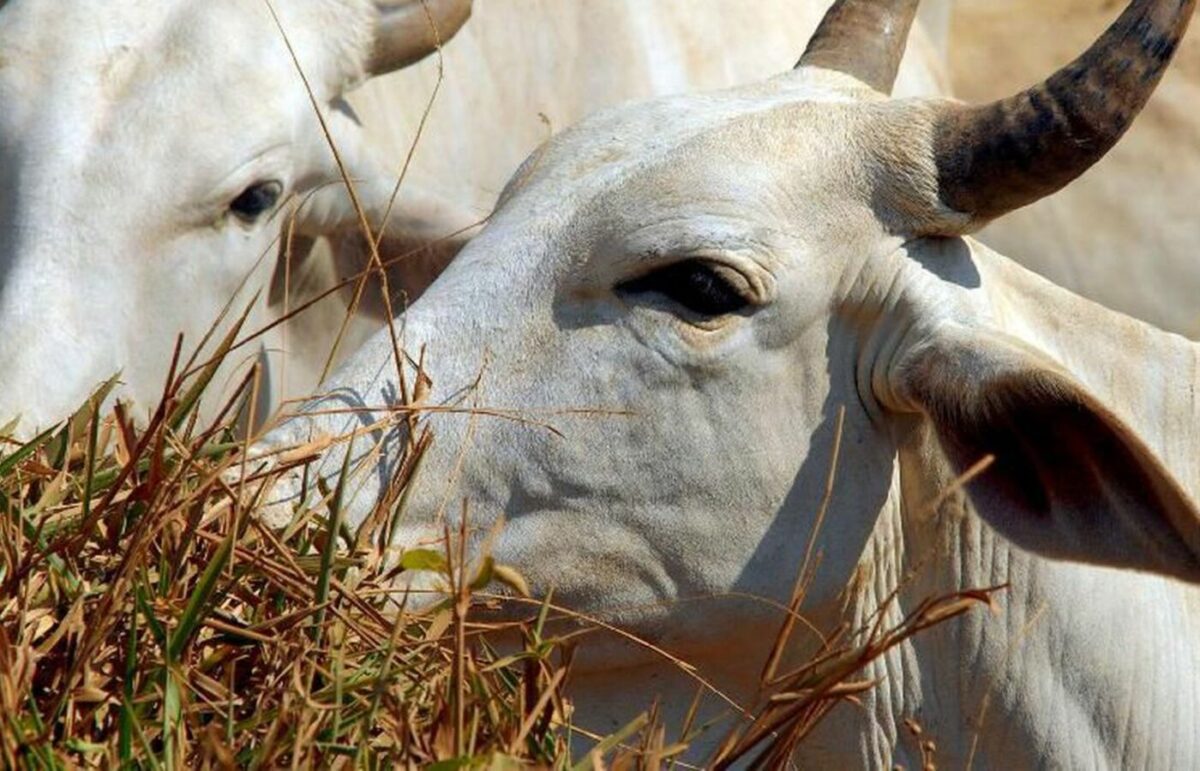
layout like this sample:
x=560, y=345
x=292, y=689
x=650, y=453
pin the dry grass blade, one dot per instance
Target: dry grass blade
x=804, y=697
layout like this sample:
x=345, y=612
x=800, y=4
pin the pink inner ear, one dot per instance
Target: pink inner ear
x=1070, y=480
x=1040, y=440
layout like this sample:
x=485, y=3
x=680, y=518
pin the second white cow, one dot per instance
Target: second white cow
x=147, y=154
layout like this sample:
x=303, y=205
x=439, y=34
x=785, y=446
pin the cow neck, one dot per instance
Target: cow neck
x=1074, y=657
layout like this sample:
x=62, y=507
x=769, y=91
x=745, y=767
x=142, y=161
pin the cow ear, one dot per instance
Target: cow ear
x=1069, y=479
x=409, y=30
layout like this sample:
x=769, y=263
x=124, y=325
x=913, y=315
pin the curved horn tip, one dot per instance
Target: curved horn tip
x=409, y=30
x=864, y=39
x=993, y=159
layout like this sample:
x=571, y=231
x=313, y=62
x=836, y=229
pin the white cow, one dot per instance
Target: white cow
x=713, y=278
x=147, y=149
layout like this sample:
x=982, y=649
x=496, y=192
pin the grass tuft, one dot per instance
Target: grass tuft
x=148, y=620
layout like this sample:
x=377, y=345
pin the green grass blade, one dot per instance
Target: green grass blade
x=610, y=742
x=172, y=713
x=128, y=719
x=90, y=472
x=139, y=733
x=6, y=431
x=10, y=462
x=143, y=604
x=424, y=559
x=193, y=613
x=331, y=536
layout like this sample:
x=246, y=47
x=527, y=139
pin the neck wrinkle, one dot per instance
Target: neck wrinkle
x=876, y=588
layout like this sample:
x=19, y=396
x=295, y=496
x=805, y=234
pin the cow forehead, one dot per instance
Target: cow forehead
x=48, y=34
x=614, y=141
x=690, y=160
x=161, y=96
x=56, y=50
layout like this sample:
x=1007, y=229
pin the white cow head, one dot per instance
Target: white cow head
x=716, y=278
x=147, y=150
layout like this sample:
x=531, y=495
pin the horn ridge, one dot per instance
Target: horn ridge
x=995, y=158
x=863, y=38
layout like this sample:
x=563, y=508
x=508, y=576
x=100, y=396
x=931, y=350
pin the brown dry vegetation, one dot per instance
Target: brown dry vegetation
x=147, y=619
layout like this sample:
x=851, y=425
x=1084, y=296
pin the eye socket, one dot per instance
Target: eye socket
x=693, y=284
x=256, y=200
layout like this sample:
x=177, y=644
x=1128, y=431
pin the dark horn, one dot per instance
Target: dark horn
x=863, y=38
x=410, y=30
x=995, y=158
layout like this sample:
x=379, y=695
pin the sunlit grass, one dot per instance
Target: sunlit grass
x=148, y=619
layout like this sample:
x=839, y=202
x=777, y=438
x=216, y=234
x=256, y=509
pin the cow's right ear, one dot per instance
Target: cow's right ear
x=1070, y=480
x=409, y=30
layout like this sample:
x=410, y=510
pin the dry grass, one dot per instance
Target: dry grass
x=148, y=619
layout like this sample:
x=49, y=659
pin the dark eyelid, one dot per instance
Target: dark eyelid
x=695, y=285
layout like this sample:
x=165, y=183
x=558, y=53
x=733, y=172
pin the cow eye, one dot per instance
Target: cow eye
x=256, y=200
x=694, y=284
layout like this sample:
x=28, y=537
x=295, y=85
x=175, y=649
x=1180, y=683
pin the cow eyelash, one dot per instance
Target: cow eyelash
x=693, y=284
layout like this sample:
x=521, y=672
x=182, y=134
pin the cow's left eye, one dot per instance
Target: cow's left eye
x=256, y=200
x=697, y=285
